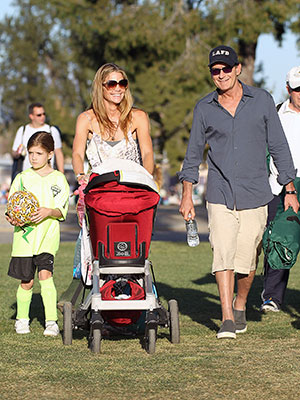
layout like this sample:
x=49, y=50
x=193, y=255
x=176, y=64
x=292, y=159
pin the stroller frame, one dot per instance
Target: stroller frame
x=93, y=305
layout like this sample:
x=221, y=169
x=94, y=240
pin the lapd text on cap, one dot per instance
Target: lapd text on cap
x=219, y=52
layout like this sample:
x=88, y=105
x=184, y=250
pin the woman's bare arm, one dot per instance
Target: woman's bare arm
x=141, y=125
x=79, y=144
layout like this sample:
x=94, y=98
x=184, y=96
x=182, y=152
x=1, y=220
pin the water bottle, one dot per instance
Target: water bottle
x=192, y=236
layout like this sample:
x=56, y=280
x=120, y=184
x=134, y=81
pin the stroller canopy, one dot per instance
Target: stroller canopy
x=120, y=192
x=115, y=199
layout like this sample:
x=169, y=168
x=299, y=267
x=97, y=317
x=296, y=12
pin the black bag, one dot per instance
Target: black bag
x=17, y=165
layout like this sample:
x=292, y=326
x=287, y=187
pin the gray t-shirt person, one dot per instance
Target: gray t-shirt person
x=238, y=174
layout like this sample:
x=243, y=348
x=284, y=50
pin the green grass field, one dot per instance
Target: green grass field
x=264, y=362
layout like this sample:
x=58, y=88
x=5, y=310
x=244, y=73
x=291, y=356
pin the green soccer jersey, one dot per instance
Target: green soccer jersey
x=52, y=191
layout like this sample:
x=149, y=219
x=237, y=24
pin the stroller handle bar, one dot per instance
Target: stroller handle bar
x=127, y=173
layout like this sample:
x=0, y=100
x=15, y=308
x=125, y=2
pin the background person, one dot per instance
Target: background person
x=37, y=123
x=35, y=246
x=238, y=122
x=275, y=281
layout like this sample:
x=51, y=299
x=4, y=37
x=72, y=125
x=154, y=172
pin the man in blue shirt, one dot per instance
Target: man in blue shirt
x=238, y=122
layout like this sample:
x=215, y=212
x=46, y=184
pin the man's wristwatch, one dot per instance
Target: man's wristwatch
x=80, y=174
x=291, y=192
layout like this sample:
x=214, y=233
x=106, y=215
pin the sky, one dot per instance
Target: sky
x=277, y=61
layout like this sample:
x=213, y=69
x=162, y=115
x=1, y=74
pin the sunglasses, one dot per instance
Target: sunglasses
x=217, y=71
x=297, y=89
x=123, y=83
x=39, y=115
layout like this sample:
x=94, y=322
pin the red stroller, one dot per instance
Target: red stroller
x=120, y=215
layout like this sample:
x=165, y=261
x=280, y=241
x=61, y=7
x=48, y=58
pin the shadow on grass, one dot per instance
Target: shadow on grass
x=115, y=336
x=291, y=304
x=204, y=307
x=196, y=304
x=36, y=309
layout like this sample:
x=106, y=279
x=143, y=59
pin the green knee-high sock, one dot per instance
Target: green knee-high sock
x=49, y=296
x=23, y=302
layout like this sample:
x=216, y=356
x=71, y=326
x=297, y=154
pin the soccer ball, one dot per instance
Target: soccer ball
x=21, y=205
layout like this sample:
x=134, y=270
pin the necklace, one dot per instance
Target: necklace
x=111, y=137
x=113, y=134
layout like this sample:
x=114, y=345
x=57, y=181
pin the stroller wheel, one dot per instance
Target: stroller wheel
x=174, y=321
x=96, y=341
x=151, y=340
x=67, y=323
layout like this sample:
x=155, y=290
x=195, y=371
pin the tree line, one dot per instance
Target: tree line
x=51, y=50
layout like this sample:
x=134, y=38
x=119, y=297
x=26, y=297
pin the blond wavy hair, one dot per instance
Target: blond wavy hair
x=98, y=106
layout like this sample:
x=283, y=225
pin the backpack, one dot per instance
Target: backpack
x=17, y=165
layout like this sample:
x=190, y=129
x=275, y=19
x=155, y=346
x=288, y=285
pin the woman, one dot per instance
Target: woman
x=111, y=127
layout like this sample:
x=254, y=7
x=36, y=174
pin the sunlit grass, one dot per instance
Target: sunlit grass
x=262, y=362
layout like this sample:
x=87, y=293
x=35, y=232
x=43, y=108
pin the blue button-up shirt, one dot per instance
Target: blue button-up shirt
x=237, y=168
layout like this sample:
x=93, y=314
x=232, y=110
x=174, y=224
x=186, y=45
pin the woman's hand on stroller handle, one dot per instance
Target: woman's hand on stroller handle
x=82, y=178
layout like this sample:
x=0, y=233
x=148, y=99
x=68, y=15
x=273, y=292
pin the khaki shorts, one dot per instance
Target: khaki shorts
x=235, y=237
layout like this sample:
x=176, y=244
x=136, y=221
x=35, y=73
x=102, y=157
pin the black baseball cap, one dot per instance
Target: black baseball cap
x=223, y=54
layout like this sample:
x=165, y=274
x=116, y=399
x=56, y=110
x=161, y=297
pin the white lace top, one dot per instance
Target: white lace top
x=98, y=150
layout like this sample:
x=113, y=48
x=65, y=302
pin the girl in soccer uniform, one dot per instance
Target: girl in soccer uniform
x=35, y=244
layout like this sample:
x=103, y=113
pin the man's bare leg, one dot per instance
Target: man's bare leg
x=244, y=283
x=225, y=282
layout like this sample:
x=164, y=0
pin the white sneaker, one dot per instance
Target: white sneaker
x=52, y=329
x=22, y=326
x=269, y=305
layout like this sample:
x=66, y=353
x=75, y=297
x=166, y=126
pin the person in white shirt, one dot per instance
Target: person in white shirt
x=37, y=123
x=276, y=280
